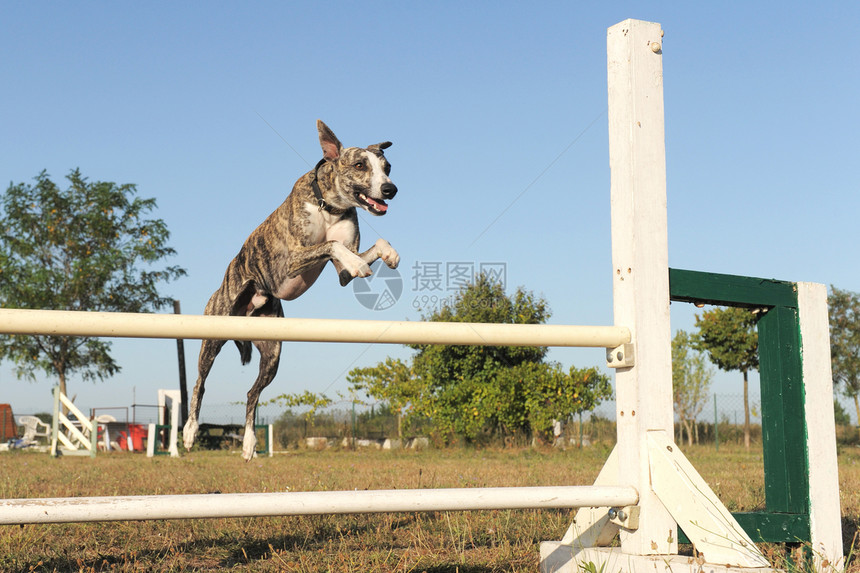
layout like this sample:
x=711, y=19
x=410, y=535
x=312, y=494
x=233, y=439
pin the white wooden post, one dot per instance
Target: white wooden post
x=55, y=423
x=824, y=515
x=640, y=268
x=94, y=435
x=175, y=404
x=151, y=437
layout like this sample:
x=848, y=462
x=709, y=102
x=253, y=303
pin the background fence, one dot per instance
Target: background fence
x=722, y=417
x=344, y=419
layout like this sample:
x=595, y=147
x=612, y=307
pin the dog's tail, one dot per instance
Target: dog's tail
x=244, y=347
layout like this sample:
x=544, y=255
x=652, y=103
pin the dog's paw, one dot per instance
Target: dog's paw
x=249, y=446
x=387, y=253
x=362, y=270
x=189, y=432
x=345, y=277
x=351, y=263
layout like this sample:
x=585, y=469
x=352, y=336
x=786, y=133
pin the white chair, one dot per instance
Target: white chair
x=33, y=428
x=103, y=421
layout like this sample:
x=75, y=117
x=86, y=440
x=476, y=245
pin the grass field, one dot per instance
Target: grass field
x=467, y=542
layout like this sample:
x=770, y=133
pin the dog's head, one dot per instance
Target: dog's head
x=360, y=176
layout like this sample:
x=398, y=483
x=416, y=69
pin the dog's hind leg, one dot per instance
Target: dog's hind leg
x=208, y=351
x=270, y=356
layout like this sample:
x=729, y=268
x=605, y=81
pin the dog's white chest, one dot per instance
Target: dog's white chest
x=323, y=226
x=320, y=227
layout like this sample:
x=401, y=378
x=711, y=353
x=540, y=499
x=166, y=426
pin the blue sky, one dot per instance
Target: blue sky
x=497, y=111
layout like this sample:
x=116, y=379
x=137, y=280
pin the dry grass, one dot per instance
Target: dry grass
x=459, y=541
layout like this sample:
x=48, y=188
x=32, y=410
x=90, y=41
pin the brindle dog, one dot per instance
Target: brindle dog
x=285, y=255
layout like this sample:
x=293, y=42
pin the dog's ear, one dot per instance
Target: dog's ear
x=380, y=146
x=329, y=142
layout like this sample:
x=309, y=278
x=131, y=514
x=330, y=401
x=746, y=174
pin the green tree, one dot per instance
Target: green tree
x=691, y=382
x=844, y=310
x=312, y=400
x=474, y=391
x=88, y=247
x=840, y=415
x=549, y=394
x=460, y=392
x=391, y=382
x=730, y=338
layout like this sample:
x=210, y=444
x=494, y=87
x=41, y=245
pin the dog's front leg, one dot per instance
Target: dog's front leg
x=345, y=260
x=382, y=249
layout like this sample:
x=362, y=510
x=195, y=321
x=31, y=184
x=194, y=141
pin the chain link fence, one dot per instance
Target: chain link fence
x=721, y=419
x=346, y=420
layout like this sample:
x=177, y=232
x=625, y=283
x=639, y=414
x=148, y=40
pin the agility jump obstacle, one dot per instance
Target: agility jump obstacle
x=647, y=491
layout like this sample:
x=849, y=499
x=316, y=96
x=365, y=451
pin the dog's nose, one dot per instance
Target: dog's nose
x=389, y=190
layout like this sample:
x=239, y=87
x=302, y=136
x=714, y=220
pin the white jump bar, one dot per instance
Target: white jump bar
x=198, y=506
x=132, y=325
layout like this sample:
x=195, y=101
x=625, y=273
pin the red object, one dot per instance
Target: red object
x=138, y=435
x=8, y=430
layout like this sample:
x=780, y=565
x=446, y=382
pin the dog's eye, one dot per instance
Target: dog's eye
x=359, y=165
x=388, y=169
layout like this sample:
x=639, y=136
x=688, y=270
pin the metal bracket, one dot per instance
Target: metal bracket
x=626, y=517
x=620, y=356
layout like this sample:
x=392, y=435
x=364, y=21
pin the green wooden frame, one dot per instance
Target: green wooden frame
x=158, y=450
x=267, y=447
x=786, y=462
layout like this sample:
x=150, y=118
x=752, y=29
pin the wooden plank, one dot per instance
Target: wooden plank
x=609, y=560
x=637, y=160
x=764, y=527
x=67, y=442
x=82, y=418
x=783, y=429
x=729, y=290
x=825, y=520
x=55, y=421
x=75, y=433
x=698, y=511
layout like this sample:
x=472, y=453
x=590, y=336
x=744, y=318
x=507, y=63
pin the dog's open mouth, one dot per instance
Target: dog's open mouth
x=375, y=206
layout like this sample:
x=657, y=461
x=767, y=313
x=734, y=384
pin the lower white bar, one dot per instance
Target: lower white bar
x=134, y=508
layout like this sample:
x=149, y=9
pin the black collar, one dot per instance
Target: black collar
x=318, y=194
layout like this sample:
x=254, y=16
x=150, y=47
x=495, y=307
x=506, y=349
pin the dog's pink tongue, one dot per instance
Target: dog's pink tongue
x=381, y=207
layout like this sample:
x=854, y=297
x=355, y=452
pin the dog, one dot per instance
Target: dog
x=285, y=255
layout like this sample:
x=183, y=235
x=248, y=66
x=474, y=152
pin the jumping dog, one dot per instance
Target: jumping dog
x=285, y=255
